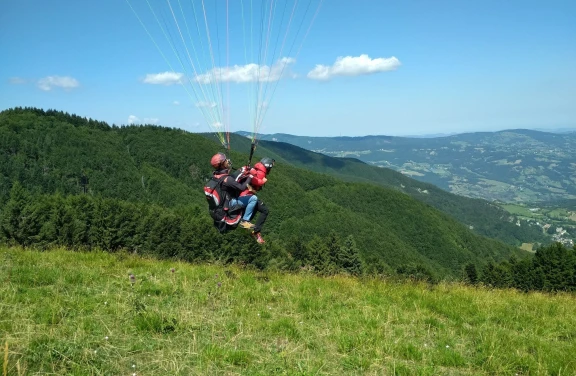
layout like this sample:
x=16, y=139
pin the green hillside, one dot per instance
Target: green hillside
x=144, y=193
x=79, y=313
x=483, y=217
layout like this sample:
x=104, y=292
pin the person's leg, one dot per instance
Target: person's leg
x=233, y=202
x=249, y=202
x=263, y=210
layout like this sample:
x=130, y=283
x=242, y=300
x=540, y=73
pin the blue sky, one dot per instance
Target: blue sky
x=366, y=67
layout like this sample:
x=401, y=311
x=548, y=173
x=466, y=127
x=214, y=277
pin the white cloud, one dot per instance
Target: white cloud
x=50, y=82
x=151, y=120
x=17, y=81
x=164, y=78
x=132, y=119
x=247, y=73
x=176, y=103
x=354, y=66
x=203, y=104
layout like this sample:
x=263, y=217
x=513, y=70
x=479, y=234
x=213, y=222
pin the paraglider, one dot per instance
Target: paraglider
x=209, y=44
x=232, y=199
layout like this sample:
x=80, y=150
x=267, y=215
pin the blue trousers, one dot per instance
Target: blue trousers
x=248, y=202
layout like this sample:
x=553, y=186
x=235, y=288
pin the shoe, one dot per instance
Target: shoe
x=258, y=237
x=247, y=225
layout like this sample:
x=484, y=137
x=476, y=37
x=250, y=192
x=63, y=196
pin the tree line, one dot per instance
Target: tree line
x=85, y=222
x=553, y=268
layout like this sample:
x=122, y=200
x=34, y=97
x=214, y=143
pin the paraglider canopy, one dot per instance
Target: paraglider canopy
x=208, y=44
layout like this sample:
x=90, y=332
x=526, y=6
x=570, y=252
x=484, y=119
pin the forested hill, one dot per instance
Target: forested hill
x=483, y=217
x=143, y=192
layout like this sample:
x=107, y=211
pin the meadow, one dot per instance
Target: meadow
x=96, y=313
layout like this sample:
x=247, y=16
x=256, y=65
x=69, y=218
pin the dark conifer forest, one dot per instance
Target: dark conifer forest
x=83, y=184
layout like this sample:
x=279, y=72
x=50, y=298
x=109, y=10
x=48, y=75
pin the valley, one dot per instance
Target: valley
x=518, y=170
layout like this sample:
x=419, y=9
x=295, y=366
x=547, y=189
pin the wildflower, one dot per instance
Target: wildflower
x=172, y=270
x=132, y=278
x=447, y=346
x=106, y=338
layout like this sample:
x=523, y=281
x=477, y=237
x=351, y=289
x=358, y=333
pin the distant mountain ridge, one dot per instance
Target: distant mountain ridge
x=514, y=166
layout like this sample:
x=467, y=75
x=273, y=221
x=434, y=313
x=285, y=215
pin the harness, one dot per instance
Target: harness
x=225, y=218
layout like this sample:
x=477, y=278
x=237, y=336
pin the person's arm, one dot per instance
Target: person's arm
x=259, y=178
x=230, y=182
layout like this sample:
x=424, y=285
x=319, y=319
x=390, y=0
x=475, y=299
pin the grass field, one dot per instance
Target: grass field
x=558, y=213
x=73, y=313
x=521, y=210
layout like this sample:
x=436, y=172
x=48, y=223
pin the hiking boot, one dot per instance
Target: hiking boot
x=258, y=237
x=247, y=225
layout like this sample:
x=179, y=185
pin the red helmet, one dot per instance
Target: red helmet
x=217, y=160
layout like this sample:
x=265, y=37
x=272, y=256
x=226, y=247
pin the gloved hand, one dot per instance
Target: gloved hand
x=246, y=171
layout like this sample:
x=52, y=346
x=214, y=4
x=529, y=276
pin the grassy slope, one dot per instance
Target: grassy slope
x=78, y=314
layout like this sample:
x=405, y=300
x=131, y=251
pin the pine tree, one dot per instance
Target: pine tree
x=557, y=264
x=319, y=256
x=299, y=251
x=12, y=223
x=165, y=235
x=471, y=273
x=333, y=250
x=349, y=257
x=497, y=275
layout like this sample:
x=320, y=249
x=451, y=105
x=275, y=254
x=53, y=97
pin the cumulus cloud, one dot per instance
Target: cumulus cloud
x=203, y=104
x=164, y=78
x=176, y=103
x=133, y=119
x=151, y=120
x=64, y=82
x=247, y=73
x=17, y=81
x=353, y=66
